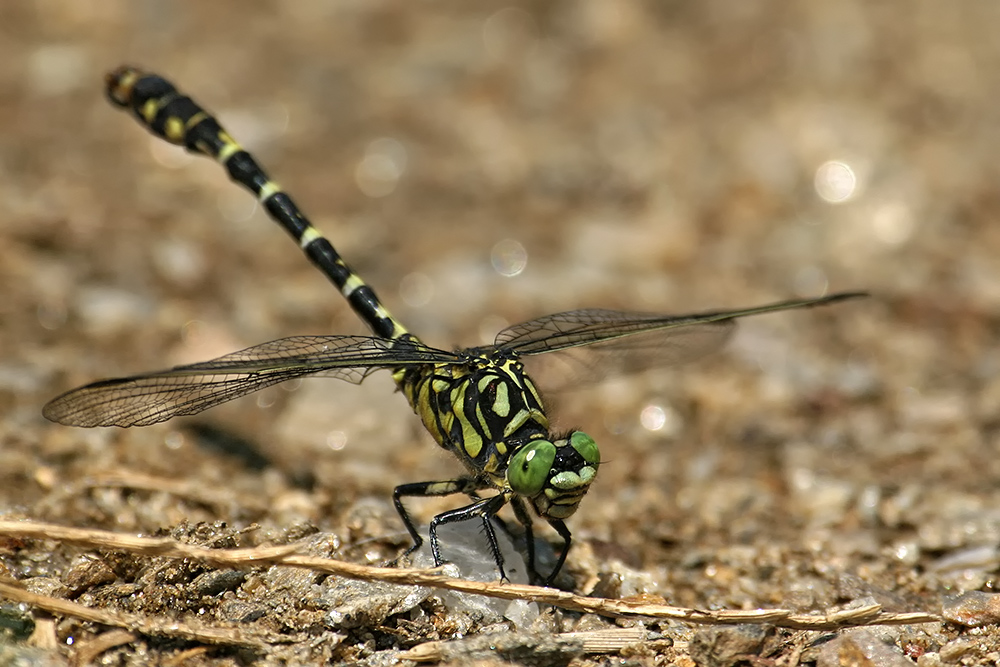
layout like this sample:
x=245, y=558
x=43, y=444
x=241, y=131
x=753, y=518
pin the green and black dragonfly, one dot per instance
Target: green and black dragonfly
x=477, y=403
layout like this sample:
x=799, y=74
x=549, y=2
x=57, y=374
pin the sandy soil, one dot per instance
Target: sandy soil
x=658, y=156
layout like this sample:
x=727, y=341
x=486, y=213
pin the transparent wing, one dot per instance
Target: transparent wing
x=186, y=390
x=593, y=344
x=568, y=367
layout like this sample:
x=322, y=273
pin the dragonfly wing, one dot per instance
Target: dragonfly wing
x=186, y=390
x=601, y=329
x=576, y=328
x=593, y=344
x=581, y=365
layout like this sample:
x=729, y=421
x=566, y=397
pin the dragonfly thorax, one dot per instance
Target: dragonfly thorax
x=484, y=409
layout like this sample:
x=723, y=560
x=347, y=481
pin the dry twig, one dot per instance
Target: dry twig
x=146, y=625
x=285, y=555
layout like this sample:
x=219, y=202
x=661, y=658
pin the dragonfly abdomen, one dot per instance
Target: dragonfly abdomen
x=178, y=119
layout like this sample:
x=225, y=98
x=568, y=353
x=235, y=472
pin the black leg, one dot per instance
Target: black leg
x=521, y=512
x=467, y=485
x=485, y=510
x=567, y=540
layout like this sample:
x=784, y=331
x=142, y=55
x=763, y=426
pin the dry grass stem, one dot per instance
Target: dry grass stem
x=285, y=555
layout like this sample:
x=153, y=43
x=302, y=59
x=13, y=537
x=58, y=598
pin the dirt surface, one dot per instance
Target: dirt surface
x=659, y=156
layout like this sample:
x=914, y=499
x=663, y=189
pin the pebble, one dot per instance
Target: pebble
x=241, y=611
x=860, y=647
x=87, y=574
x=722, y=646
x=214, y=582
x=973, y=609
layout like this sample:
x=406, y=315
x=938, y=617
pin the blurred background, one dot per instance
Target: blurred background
x=486, y=163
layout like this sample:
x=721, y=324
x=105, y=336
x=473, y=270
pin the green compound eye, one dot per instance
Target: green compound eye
x=585, y=447
x=529, y=468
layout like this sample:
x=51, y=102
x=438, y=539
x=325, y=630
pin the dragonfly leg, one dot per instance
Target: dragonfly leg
x=564, y=533
x=466, y=485
x=521, y=512
x=484, y=509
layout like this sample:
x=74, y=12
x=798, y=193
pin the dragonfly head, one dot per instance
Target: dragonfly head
x=555, y=474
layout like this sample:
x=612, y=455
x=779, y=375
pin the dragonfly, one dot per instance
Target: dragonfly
x=478, y=403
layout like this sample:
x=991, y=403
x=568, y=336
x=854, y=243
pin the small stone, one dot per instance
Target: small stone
x=953, y=651
x=722, y=646
x=48, y=586
x=87, y=574
x=240, y=611
x=930, y=660
x=218, y=581
x=973, y=609
x=860, y=647
x=15, y=622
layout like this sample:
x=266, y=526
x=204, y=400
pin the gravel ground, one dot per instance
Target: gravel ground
x=482, y=164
